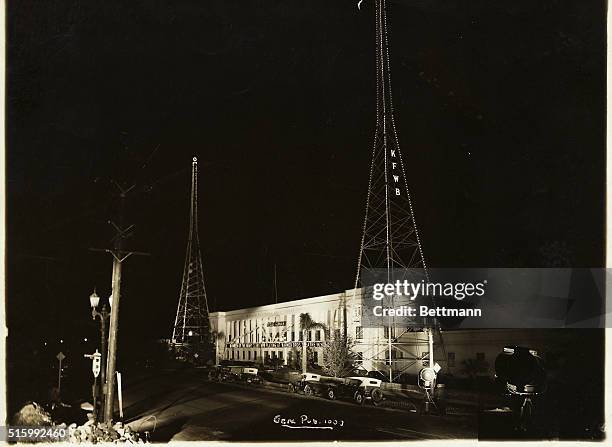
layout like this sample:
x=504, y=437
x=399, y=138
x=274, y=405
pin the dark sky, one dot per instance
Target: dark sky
x=500, y=113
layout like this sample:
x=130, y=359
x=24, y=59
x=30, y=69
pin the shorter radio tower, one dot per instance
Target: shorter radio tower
x=191, y=324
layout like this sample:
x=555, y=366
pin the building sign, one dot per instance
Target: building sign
x=286, y=344
x=277, y=323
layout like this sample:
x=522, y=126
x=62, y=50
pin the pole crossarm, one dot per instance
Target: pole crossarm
x=120, y=256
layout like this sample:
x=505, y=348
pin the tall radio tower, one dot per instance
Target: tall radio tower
x=390, y=240
x=192, y=324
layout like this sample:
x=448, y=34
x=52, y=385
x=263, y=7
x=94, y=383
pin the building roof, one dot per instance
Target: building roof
x=288, y=304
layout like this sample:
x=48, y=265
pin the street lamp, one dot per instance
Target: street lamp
x=104, y=315
x=94, y=299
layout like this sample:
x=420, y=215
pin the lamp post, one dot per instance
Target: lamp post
x=104, y=315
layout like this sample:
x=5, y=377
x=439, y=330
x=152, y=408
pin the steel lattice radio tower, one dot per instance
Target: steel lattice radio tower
x=390, y=239
x=192, y=323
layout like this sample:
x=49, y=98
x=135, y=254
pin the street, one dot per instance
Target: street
x=182, y=406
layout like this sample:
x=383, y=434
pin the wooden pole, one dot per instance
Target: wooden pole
x=112, y=343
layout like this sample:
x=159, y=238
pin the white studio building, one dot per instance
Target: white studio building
x=272, y=333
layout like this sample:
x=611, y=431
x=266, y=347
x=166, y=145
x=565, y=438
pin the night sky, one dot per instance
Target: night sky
x=500, y=114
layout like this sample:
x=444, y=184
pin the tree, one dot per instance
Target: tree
x=338, y=356
x=217, y=336
x=307, y=324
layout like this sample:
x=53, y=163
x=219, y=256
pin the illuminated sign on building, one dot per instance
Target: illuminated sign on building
x=286, y=344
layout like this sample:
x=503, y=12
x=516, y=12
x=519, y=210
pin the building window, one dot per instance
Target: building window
x=249, y=355
x=451, y=359
x=308, y=335
x=280, y=355
x=243, y=355
x=480, y=356
x=254, y=355
x=232, y=354
x=317, y=335
x=316, y=357
x=292, y=336
x=359, y=332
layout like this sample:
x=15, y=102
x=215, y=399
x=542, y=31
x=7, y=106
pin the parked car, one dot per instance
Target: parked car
x=345, y=388
x=378, y=375
x=303, y=383
x=250, y=375
x=332, y=388
x=372, y=388
x=245, y=374
x=283, y=375
x=217, y=373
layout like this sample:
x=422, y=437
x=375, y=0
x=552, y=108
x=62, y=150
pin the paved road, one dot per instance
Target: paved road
x=183, y=406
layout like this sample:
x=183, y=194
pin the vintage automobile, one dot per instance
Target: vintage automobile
x=221, y=373
x=329, y=387
x=283, y=375
x=345, y=388
x=250, y=375
x=303, y=384
x=214, y=372
x=372, y=389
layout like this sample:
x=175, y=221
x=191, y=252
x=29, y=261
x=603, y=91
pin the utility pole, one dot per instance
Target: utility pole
x=119, y=255
x=114, y=319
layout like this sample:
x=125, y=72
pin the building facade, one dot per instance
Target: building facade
x=266, y=333
x=272, y=334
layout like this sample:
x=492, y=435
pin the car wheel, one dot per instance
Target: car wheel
x=291, y=388
x=331, y=394
x=358, y=398
x=308, y=390
x=377, y=396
